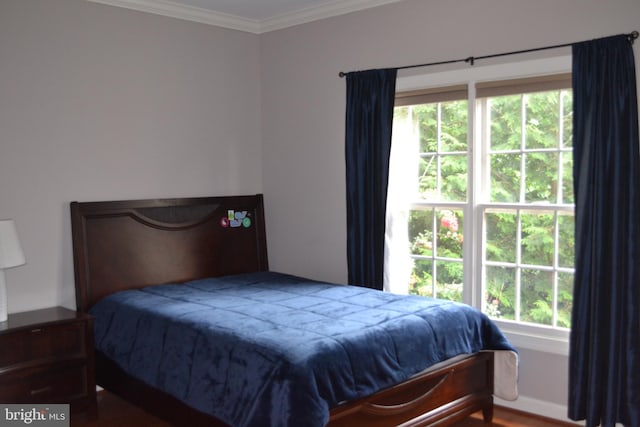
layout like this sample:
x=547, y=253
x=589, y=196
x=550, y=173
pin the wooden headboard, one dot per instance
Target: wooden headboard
x=120, y=245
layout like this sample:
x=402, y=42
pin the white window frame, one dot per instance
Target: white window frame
x=535, y=337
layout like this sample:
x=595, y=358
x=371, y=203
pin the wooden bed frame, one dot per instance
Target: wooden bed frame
x=130, y=244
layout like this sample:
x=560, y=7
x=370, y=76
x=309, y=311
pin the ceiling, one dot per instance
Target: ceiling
x=254, y=16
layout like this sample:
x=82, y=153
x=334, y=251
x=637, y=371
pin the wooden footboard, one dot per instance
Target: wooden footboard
x=437, y=397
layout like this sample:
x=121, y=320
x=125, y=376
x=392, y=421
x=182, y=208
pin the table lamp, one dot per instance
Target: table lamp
x=11, y=255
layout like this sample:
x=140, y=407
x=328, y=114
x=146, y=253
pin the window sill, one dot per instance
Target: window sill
x=536, y=338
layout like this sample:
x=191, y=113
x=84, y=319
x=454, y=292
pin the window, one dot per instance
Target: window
x=481, y=195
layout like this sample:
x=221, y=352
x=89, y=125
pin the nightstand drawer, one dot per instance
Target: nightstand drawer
x=46, y=342
x=59, y=385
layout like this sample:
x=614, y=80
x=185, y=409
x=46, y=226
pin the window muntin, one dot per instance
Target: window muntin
x=524, y=205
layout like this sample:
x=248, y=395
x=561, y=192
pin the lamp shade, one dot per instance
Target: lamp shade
x=11, y=254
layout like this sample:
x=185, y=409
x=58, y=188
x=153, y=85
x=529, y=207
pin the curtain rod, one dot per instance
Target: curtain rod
x=472, y=59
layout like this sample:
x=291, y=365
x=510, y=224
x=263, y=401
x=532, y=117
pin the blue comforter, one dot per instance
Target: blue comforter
x=267, y=349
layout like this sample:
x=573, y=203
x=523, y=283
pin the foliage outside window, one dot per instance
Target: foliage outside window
x=522, y=205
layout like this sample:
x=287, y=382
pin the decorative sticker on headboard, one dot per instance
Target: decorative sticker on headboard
x=236, y=219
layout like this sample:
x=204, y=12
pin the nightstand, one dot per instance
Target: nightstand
x=47, y=357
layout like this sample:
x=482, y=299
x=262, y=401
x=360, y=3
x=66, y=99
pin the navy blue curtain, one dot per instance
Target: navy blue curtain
x=369, y=118
x=604, y=359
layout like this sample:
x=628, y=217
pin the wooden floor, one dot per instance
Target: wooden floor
x=114, y=412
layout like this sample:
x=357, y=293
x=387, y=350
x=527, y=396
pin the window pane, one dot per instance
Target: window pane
x=567, y=118
x=501, y=231
x=453, y=133
x=567, y=178
x=566, y=242
x=450, y=233
x=449, y=280
x=565, y=299
x=541, y=177
x=428, y=178
x=420, y=232
x=454, y=178
x=500, y=292
x=542, y=120
x=422, y=278
x=536, y=296
x=400, y=114
x=506, y=128
x=505, y=177
x=538, y=243
x=426, y=121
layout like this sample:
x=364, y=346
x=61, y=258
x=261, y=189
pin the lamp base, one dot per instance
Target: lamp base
x=3, y=297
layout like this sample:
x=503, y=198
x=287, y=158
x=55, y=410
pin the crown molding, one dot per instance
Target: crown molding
x=188, y=13
x=315, y=13
x=206, y=16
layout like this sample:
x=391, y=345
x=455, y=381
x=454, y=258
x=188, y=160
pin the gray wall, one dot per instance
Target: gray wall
x=98, y=103
x=303, y=117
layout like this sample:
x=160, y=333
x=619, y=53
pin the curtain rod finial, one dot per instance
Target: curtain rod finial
x=634, y=35
x=341, y=74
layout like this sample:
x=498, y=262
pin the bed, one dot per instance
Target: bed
x=165, y=268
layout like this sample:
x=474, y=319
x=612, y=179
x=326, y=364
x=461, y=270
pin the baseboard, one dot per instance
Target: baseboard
x=538, y=407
